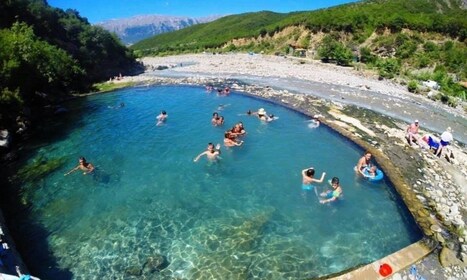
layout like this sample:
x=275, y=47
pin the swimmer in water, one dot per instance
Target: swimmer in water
x=87, y=167
x=308, y=178
x=333, y=195
x=212, y=153
x=161, y=118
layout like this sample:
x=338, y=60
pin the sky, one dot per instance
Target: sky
x=100, y=10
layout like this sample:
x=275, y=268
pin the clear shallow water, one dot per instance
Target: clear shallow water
x=243, y=218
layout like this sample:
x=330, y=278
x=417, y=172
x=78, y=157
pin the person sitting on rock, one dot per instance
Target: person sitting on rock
x=412, y=133
x=446, y=138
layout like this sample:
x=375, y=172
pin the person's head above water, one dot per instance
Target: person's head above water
x=335, y=181
x=164, y=112
x=367, y=155
x=310, y=172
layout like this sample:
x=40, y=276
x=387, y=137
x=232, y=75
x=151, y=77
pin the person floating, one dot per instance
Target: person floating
x=121, y=105
x=308, y=178
x=412, y=133
x=87, y=167
x=333, y=195
x=363, y=162
x=222, y=107
x=212, y=153
x=314, y=122
x=161, y=118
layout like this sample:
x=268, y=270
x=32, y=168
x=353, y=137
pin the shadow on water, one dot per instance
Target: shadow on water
x=27, y=232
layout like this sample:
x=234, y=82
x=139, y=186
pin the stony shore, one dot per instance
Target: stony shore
x=433, y=188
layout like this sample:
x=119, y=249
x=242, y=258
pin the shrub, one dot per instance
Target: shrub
x=388, y=68
x=412, y=86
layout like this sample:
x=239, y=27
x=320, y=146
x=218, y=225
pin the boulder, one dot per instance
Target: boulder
x=448, y=258
x=4, y=138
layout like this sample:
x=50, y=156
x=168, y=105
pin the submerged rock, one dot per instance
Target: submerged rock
x=219, y=248
x=155, y=263
x=133, y=270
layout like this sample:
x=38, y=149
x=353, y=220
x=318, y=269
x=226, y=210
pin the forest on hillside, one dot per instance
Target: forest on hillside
x=48, y=53
x=416, y=40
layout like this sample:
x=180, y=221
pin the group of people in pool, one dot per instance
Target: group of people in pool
x=364, y=168
x=220, y=91
x=231, y=138
x=262, y=115
x=327, y=196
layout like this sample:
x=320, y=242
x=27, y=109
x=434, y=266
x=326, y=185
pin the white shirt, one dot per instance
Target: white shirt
x=446, y=136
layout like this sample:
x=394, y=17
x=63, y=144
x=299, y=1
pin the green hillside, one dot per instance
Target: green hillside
x=46, y=54
x=210, y=35
x=414, y=40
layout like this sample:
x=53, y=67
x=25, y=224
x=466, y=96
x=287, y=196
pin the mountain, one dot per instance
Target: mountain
x=137, y=28
x=414, y=40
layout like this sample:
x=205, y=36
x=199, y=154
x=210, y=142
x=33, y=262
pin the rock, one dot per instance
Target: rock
x=440, y=238
x=133, y=270
x=435, y=228
x=11, y=156
x=155, y=263
x=4, y=138
x=448, y=258
x=464, y=258
x=454, y=209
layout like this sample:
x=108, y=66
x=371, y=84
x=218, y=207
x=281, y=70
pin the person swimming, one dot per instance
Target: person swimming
x=333, y=195
x=238, y=129
x=215, y=118
x=161, y=118
x=219, y=121
x=212, y=153
x=308, y=178
x=230, y=140
x=85, y=166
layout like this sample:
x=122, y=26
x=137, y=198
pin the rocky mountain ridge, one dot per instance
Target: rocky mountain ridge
x=134, y=29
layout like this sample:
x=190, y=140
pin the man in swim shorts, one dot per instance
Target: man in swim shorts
x=412, y=133
x=211, y=153
x=308, y=178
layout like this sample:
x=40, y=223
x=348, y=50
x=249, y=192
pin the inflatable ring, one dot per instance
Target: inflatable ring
x=378, y=176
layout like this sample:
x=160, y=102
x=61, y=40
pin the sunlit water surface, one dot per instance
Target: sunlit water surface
x=151, y=212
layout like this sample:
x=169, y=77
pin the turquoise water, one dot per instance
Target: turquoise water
x=151, y=212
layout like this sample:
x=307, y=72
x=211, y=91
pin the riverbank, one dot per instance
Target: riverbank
x=434, y=189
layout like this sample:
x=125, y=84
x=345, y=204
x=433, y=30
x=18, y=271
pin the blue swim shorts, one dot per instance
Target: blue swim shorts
x=307, y=187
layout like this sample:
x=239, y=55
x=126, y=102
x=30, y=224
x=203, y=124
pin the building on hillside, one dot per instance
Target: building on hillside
x=296, y=50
